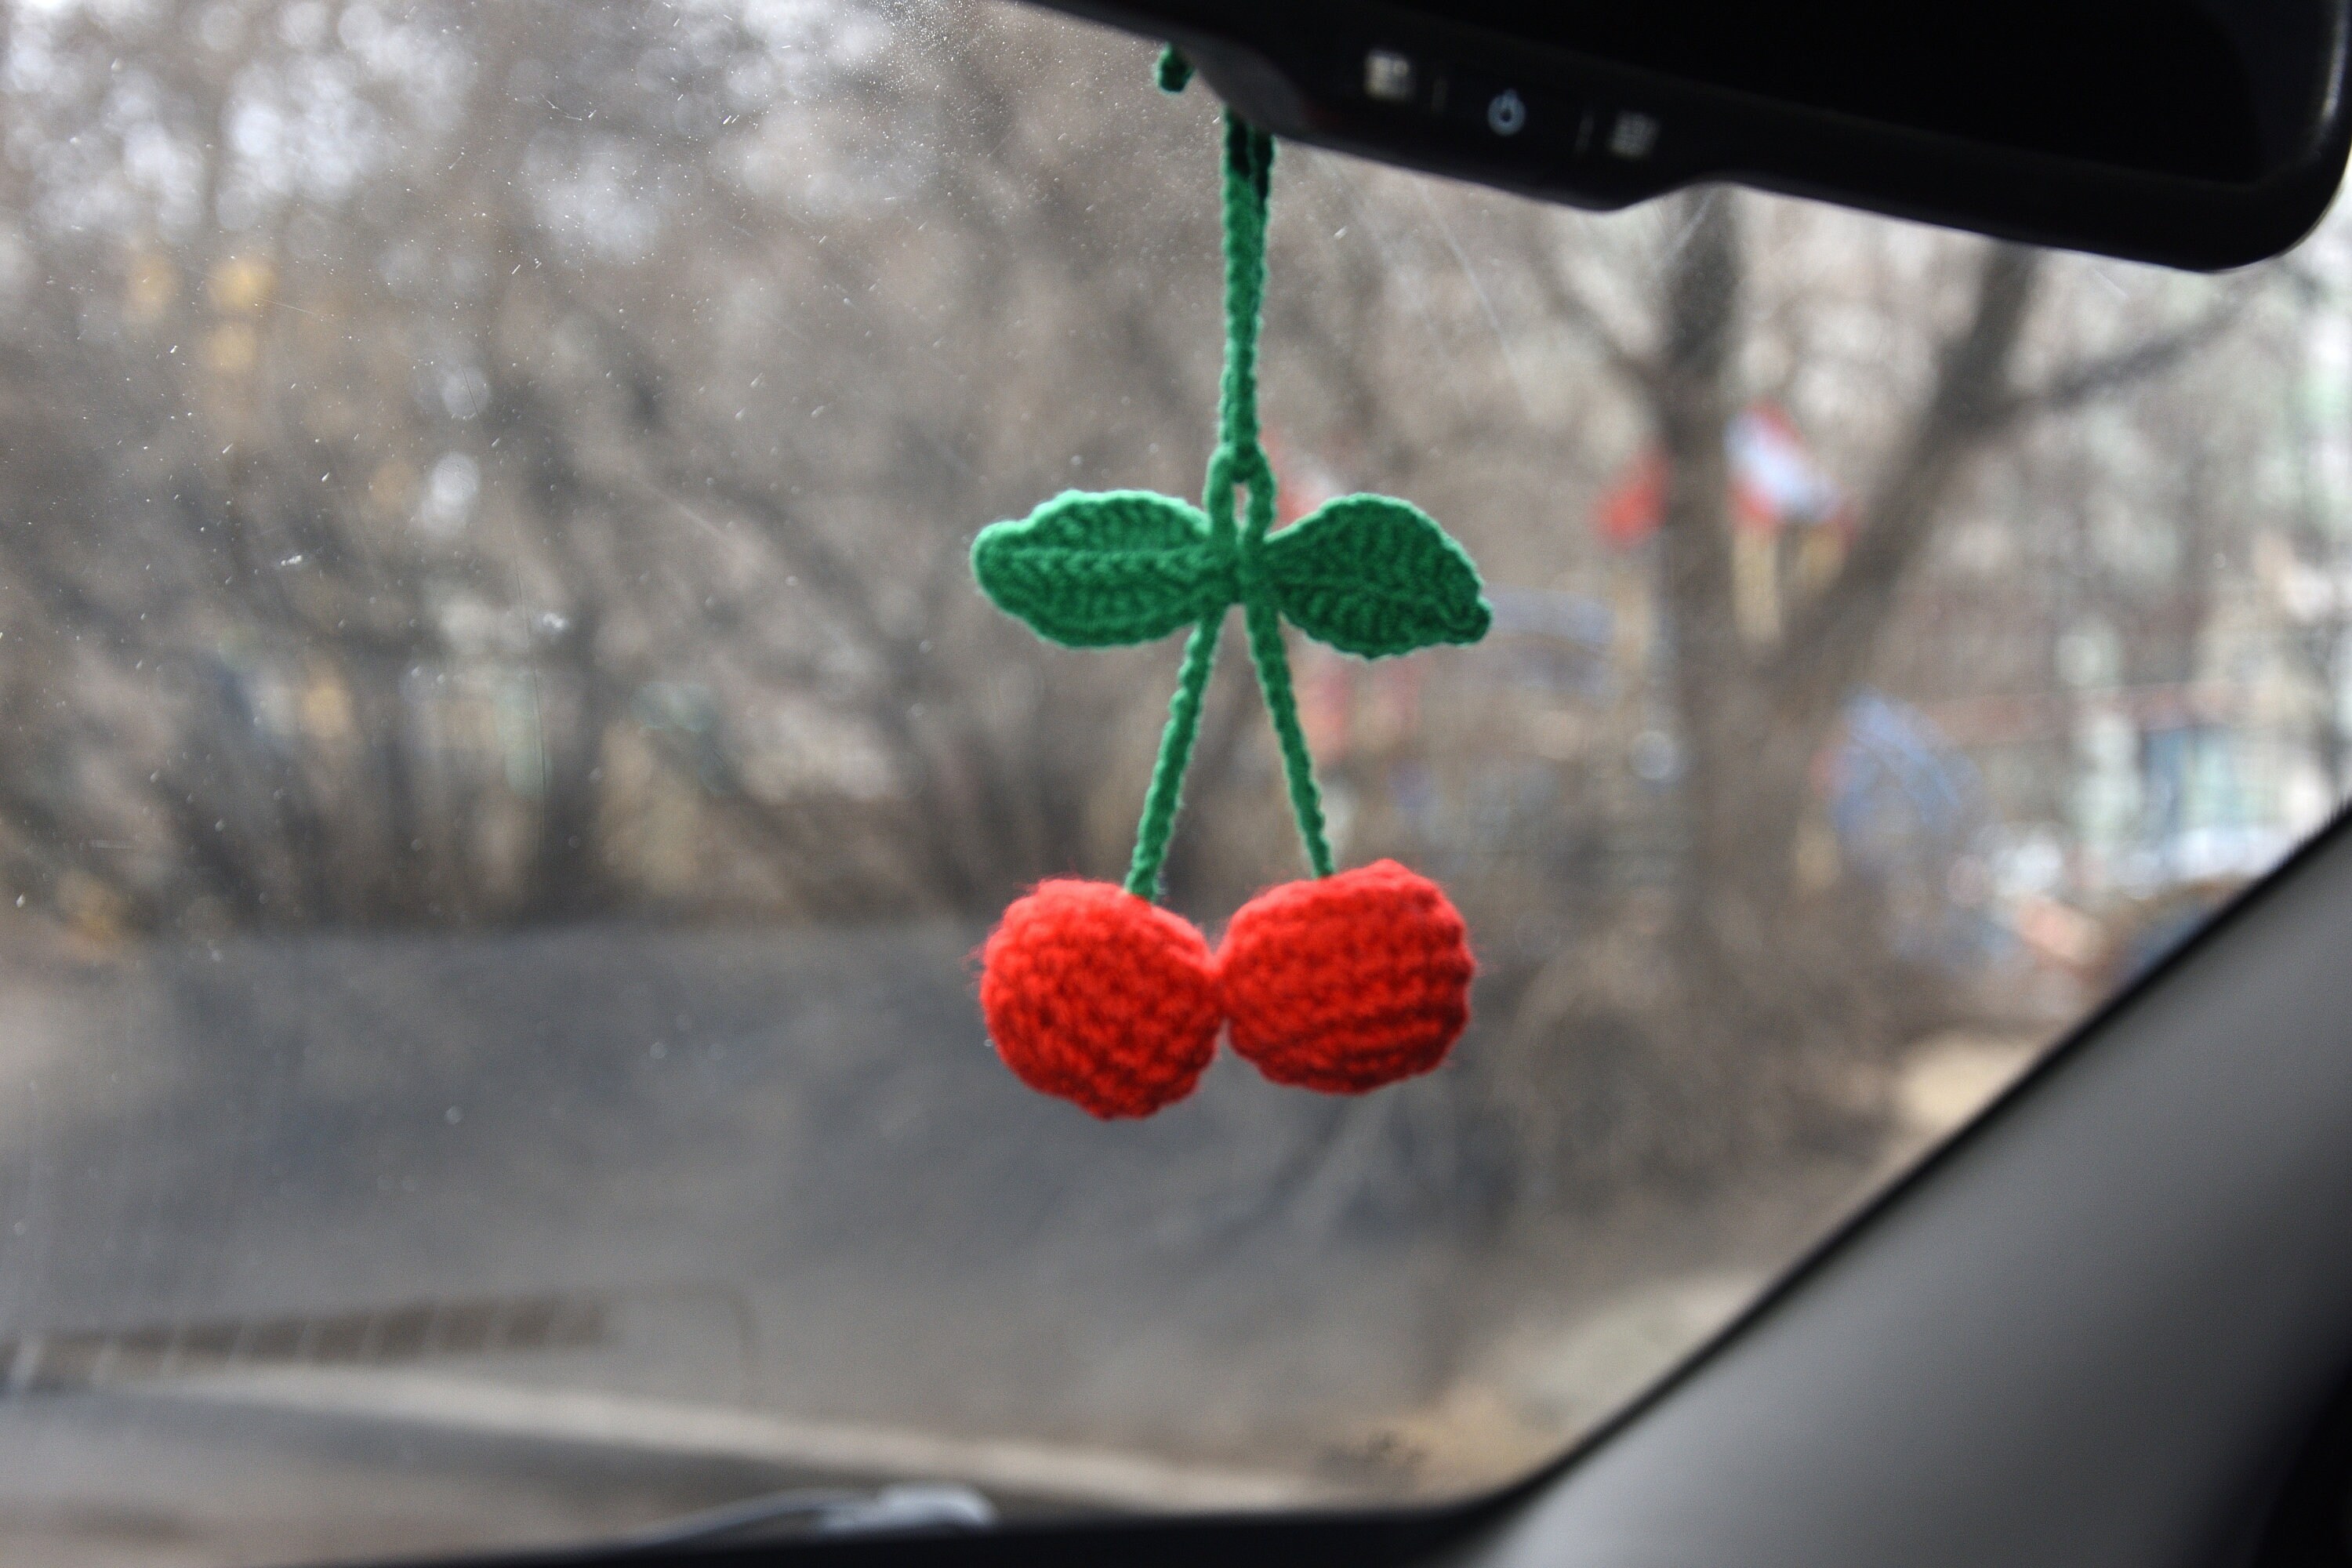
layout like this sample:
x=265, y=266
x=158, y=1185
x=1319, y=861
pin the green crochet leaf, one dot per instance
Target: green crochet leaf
x=1374, y=575
x=1117, y=566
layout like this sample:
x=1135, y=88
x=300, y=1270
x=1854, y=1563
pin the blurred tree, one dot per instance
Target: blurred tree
x=1755, y=974
x=466, y=464
x=580, y=338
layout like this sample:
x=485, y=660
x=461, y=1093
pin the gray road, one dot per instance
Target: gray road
x=778, y=1173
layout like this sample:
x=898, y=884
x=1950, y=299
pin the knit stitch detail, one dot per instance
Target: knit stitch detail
x=1348, y=981
x=1095, y=571
x=1374, y=576
x=1094, y=995
x=1165, y=796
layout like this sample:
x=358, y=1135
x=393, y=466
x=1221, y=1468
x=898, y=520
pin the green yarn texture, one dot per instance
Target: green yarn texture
x=1096, y=570
x=1372, y=575
x=1175, y=72
x=1368, y=575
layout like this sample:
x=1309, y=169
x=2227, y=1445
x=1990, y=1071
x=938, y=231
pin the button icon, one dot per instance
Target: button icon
x=1506, y=113
x=1387, y=77
x=1632, y=135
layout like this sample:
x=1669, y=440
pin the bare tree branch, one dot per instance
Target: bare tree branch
x=2105, y=374
x=1830, y=644
x=1569, y=304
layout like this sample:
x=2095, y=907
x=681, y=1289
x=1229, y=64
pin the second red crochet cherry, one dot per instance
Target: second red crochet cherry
x=1348, y=982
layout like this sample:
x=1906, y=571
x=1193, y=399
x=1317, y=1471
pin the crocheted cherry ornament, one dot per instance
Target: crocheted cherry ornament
x=1342, y=984
x=1347, y=982
x=1093, y=995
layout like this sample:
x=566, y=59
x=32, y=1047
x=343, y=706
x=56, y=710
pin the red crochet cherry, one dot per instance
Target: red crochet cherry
x=1098, y=996
x=1348, y=981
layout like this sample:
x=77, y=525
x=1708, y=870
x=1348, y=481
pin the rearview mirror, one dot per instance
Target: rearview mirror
x=2203, y=133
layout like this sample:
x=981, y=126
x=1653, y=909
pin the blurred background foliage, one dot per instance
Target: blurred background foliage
x=475, y=466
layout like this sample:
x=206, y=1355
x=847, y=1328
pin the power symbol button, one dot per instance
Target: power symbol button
x=1506, y=113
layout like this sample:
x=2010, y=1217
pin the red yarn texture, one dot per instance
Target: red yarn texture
x=1348, y=982
x=1093, y=995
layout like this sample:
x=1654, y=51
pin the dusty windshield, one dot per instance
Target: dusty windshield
x=504, y=770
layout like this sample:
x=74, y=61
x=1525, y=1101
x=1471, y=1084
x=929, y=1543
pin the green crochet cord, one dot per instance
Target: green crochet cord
x=1370, y=575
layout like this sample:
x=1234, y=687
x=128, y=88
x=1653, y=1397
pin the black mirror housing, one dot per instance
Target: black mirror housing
x=2194, y=134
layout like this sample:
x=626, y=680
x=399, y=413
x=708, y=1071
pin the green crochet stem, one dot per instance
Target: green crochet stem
x=1166, y=794
x=1368, y=574
x=1240, y=463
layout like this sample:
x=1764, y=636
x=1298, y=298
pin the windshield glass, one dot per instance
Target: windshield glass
x=504, y=770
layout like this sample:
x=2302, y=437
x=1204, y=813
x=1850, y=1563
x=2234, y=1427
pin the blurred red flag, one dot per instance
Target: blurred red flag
x=1775, y=482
